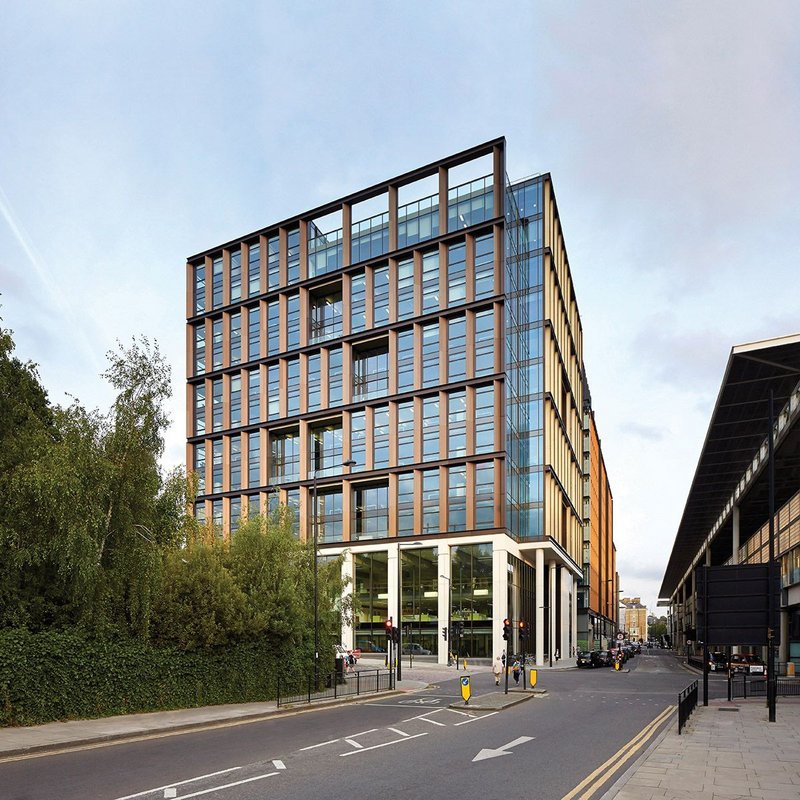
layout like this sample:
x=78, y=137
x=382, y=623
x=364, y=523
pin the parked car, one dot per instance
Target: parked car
x=414, y=649
x=717, y=662
x=748, y=663
x=606, y=659
x=587, y=659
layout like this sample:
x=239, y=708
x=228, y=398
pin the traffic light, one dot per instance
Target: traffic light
x=396, y=635
x=444, y=632
x=507, y=629
x=389, y=627
x=523, y=629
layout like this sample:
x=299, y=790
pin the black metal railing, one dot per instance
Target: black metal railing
x=687, y=702
x=333, y=686
x=744, y=686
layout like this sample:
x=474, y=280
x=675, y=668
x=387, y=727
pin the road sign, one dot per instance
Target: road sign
x=466, y=688
x=620, y=637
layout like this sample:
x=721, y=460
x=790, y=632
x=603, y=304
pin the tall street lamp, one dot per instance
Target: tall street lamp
x=315, y=522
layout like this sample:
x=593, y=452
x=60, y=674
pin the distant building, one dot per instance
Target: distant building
x=635, y=618
x=403, y=368
x=598, y=614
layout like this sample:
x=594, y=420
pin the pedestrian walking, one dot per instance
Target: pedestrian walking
x=515, y=671
x=497, y=670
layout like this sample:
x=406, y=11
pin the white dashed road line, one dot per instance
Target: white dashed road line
x=385, y=744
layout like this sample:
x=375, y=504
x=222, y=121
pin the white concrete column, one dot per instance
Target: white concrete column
x=499, y=599
x=445, y=595
x=574, y=594
x=392, y=564
x=735, y=544
x=540, y=601
x=551, y=613
x=348, y=578
x=566, y=615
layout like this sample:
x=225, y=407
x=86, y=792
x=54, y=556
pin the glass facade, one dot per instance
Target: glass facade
x=419, y=582
x=471, y=578
x=370, y=512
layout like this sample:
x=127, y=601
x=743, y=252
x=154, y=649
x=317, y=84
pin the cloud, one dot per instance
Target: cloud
x=651, y=433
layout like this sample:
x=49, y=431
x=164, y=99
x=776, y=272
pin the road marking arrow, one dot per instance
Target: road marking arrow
x=502, y=751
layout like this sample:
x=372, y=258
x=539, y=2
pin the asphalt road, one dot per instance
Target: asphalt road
x=410, y=746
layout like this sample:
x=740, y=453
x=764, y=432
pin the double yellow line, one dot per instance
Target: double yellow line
x=597, y=778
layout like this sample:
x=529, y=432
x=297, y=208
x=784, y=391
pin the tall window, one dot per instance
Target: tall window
x=326, y=450
x=418, y=221
x=285, y=456
x=253, y=334
x=293, y=321
x=236, y=513
x=200, y=287
x=293, y=503
x=253, y=459
x=358, y=439
x=292, y=386
x=484, y=343
x=235, y=463
x=199, y=409
x=457, y=424
x=405, y=504
x=335, y=376
x=430, y=281
x=236, y=275
x=430, y=501
x=200, y=466
x=405, y=288
x=236, y=338
x=380, y=437
x=253, y=396
x=456, y=274
x=456, y=349
x=371, y=512
x=484, y=266
x=405, y=360
x=216, y=465
x=273, y=327
x=370, y=237
x=293, y=256
x=236, y=400
x=484, y=419
x=358, y=302
x=484, y=495
x=370, y=373
x=216, y=282
x=430, y=354
x=314, y=382
x=457, y=498
x=274, y=262
x=200, y=512
x=273, y=391
x=199, y=348
x=216, y=405
x=405, y=433
x=216, y=344
x=430, y=428
x=326, y=315
x=380, y=278
x=254, y=269
x=329, y=516
x=216, y=518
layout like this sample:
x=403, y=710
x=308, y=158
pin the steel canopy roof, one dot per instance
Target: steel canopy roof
x=737, y=429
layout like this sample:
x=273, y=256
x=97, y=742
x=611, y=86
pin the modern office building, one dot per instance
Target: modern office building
x=403, y=368
x=726, y=517
x=598, y=589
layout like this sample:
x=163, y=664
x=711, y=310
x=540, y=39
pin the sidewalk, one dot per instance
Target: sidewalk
x=727, y=751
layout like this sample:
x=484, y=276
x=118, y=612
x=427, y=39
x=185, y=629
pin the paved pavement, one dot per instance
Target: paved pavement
x=727, y=751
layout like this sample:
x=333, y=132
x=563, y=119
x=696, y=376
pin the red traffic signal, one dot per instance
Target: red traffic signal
x=507, y=629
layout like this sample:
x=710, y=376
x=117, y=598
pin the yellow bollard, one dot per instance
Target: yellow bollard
x=790, y=669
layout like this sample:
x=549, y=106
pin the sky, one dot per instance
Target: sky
x=135, y=134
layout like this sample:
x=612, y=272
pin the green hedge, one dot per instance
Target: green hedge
x=67, y=675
